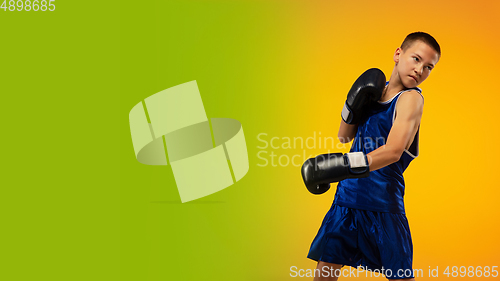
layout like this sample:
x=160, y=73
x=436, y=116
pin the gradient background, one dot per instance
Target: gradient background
x=76, y=205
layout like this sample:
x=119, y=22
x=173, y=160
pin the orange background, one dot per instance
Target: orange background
x=77, y=205
x=452, y=190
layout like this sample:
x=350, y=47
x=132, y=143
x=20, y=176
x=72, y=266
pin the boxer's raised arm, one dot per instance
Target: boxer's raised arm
x=409, y=111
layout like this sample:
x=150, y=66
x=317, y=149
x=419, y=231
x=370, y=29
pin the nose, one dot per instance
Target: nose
x=419, y=69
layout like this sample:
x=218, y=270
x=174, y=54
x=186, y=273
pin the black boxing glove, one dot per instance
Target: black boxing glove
x=324, y=169
x=366, y=89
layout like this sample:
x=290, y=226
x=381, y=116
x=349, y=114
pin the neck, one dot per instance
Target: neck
x=393, y=88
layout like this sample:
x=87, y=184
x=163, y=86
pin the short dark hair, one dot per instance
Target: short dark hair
x=421, y=36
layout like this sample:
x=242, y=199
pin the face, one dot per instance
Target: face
x=415, y=64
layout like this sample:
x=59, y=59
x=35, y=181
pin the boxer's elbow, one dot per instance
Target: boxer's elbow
x=393, y=154
x=344, y=139
x=346, y=136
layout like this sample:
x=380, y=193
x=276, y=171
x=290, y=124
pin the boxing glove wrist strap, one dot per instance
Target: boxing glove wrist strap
x=358, y=164
x=346, y=114
x=357, y=160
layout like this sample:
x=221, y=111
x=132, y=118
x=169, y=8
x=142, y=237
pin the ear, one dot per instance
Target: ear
x=397, y=54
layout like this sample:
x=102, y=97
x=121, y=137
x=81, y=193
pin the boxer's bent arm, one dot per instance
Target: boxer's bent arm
x=409, y=112
x=347, y=132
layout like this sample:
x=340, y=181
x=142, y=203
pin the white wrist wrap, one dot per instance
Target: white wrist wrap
x=357, y=159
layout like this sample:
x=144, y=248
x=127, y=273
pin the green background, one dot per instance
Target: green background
x=77, y=205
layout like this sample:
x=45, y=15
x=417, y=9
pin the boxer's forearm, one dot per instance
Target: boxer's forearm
x=383, y=156
x=347, y=132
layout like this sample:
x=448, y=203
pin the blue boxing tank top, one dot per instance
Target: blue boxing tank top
x=383, y=190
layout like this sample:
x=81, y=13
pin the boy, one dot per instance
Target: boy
x=366, y=224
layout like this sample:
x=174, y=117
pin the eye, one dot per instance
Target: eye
x=415, y=59
x=429, y=68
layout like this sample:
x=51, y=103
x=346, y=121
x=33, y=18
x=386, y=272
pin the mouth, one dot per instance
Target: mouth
x=414, y=78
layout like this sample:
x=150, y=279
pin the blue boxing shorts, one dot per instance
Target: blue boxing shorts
x=375, y=240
